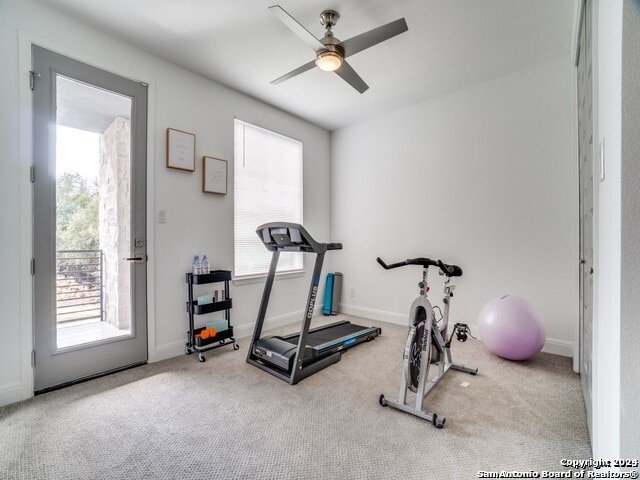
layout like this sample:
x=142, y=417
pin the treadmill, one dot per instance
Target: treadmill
x=296, y=356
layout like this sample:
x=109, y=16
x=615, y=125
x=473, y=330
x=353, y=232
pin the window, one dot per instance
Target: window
x=267, y=188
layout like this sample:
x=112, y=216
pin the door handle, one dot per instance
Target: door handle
x=135, y=259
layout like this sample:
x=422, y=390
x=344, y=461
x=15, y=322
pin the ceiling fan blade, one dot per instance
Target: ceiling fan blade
x=373, y=37
x=305, y=35
x=349, y=75
x=297, y=71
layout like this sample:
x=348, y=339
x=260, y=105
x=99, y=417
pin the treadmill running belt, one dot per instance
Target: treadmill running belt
x=328, y=334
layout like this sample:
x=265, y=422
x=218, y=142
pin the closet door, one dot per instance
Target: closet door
x=585, y=170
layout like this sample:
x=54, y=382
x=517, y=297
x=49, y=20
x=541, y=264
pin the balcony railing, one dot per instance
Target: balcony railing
x=79, y=285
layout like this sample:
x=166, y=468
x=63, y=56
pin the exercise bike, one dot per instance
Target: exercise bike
x=427, y=343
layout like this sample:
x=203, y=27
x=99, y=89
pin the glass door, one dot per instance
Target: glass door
x=89, y=221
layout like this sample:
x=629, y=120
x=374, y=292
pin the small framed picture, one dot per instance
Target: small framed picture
x=181, y=150
x=214, y=175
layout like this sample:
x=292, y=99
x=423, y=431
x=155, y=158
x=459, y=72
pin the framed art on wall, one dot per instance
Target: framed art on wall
x=214, y=175
x=181, y=150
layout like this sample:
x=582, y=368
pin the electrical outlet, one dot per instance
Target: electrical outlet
x=162, y=216
x=352, y=292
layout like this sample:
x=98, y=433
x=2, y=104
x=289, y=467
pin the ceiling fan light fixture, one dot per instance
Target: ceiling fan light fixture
x=329, y=61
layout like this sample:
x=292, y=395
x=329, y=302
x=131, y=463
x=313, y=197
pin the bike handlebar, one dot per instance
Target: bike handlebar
x=422, y=261
x=448, y=270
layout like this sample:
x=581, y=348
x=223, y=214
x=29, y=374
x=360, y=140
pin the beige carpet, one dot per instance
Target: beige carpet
x=225, y=419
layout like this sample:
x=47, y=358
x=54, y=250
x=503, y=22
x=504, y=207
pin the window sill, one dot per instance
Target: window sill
x=250, y=279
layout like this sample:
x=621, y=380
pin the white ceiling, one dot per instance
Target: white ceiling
x=451, y=44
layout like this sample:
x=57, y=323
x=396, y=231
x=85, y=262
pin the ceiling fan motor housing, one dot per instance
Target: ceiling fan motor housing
x=329, y=18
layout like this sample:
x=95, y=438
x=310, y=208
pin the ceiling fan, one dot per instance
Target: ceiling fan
x=331, y=53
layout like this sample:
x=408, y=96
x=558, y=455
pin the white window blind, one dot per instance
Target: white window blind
x=267, y=188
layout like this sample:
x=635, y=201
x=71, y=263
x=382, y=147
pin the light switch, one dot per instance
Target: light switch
x=162, y=216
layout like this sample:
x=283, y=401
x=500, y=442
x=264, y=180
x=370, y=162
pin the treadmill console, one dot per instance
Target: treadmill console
x=291, y=237
x=282, y=236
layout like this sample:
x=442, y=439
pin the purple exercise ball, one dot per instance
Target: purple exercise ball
x=510, y=328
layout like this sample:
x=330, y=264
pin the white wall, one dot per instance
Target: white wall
x=606, y=323
x=493, y=164
x=630, y=275
x=10, y=222
x=483, y=178
x=196, y=222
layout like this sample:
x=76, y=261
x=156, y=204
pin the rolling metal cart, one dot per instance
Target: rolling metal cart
x=222, y=337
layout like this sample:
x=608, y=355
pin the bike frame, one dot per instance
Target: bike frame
x=433, y=335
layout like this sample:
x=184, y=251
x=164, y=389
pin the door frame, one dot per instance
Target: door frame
x=25, y=40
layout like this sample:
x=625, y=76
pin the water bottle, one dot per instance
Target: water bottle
x=205, y=264
x=195, y=265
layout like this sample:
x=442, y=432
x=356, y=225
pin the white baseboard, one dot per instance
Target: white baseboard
x=11, y=393
x=168, y=350
x=373, y=314
x=246, y=330
x=551, y=345
x=558, y=347
x=176, y=349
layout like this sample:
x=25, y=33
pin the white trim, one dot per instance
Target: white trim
x=373, y=314
x=241, y=332
x=168, y=350
x=558, y=347
x=26, y=216
x=11, y=393
x=576, y=217
x=575, y=51
x=552, y=345
x=31, y=38
x=291, y=318
x=25, y=40
x=607, y=22
x=151, y=225
x=598, y=427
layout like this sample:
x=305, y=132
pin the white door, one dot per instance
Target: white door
x=585, y=169
x=89, y=176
